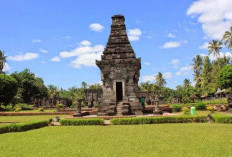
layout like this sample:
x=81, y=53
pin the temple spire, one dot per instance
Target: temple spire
x=118, y=41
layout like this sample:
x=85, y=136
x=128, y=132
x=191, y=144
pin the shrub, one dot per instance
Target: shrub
x=200, y=106
x=8, y=88
x=59, y=106
x=17, y=109
x=176, y=108
x=210, y=108
x=186, y=110
x=82, y=121
x=154, y=120
x=222, y=119
x=9, y=107
x=22, y=126
x=24, y=107
x=41, y=109
x=216, y=101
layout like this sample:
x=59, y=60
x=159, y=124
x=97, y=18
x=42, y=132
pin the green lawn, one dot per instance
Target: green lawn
x=27, y=118
x=121, y=141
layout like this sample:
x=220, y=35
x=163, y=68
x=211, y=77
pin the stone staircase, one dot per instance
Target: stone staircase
x=119, y=108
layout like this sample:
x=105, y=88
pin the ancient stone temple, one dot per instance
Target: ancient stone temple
x=120, y=71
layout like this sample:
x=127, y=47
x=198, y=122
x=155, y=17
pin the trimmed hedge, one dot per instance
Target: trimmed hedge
x=94, y=121
x=222, y=119
x=19, y=127
x=200, y=106
x=155, y=120
x=176, y=108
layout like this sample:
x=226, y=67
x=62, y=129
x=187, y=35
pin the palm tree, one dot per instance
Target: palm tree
x=53, y=93
x=215, y=47
x=2, y=61
x=160, y=80
x=197, y=67
x=187, y=83
x=227, y=38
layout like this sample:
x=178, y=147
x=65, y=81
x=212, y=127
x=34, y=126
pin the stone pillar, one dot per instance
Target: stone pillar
x=78, y=108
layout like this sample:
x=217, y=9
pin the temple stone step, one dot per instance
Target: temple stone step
x=119, y=109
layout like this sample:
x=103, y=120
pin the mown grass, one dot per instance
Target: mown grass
x=163, y=140
x=4, y=119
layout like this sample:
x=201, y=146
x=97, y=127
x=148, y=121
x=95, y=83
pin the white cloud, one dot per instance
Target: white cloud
x=221, y=55
x=96, y=27
x=43, y=50
x=147, y=63
x=171, y=35
x=24, y=57
x=85, y=54
x=6, y=67
x=167, y=75
x=171, y=44
x=133, y=38
x=184, y=70
x=81, y=50
x=36, y=41
x=68, y=37
x=214, y=15
x=204, y=46
x=149, y=78
x=175, y=61
x=86, y=60
x=85, y=43
x=134, y=34
x=55, y=59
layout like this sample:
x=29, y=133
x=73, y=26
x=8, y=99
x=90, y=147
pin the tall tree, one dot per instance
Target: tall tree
x=227, y=38
x=160, y=80
x=29, y=86
x=206, y=76
x=215, y=47
x=197, y=68
x=145, y=86
x=187, y=83
x=2, y=61
x=84, y=85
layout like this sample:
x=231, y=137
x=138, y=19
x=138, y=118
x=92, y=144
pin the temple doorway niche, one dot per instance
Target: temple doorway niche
x=119, y=92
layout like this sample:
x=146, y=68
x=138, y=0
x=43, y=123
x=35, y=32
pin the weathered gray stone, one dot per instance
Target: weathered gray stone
x=119, y=71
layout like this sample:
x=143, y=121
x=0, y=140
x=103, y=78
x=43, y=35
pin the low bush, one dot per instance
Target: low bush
x=9, y=107
x=18, y=127
x=200, y=106
x=222, y=119
x=186, y=110
x=154, y=120
x=216, y=101
x=210, y=108
x=176, y=108
x=81, y=121
x=41, y=109
x=59, y=106
x=24, y=107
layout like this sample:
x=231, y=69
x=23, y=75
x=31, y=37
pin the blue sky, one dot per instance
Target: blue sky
x=60, y=40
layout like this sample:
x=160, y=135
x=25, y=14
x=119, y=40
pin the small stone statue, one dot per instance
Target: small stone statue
x=78, y=107
x=157, y=110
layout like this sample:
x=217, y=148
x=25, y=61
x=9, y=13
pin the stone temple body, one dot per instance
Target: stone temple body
x=120, y=72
